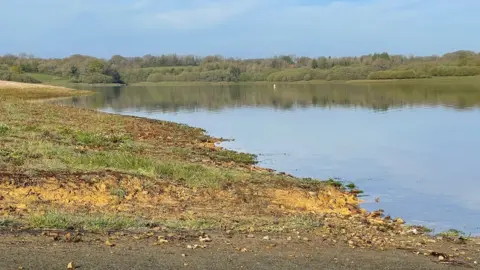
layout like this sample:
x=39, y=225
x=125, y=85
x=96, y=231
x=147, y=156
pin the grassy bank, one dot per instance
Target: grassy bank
x=76, y=169
x=90, y=163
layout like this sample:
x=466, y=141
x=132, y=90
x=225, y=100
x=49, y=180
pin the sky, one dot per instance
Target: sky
x=238, y=28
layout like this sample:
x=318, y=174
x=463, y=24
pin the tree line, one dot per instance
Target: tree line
x=150, y=68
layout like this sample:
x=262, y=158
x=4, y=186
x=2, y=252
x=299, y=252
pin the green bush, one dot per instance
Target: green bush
x=17, y=77
x=319, y=74
x=289, y=75
x=467, y=71
x=205, y=76
x=349, y=73
x=93, y=78
x=455, y=71
x=135, y=75
x=396, y=74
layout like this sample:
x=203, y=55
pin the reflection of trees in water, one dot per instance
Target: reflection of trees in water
x=379, y=97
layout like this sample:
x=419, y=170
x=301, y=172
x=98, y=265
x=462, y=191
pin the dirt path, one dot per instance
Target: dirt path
x=238, y=252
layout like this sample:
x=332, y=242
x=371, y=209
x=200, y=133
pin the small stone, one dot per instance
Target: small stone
x=184, y=255
x=266, y=237
x=162, y=241
x=475, y=262
x=441, y=258
x=399, y=221
x=244, y=250
x=205, y=239
x=185, y=264
x=189, y=246
x=289, y=238
x=251, y=236
x=110, y=244
x=306, y=239
x=70, y=266
x=413, y=231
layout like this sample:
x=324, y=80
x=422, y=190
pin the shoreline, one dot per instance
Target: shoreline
x=95, y=172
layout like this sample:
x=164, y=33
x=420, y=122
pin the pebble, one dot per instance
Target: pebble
x=441, y=258
x=399, y=221
x=162, y=241
x=205, y=239
x=244, y=250
x=251, y=236
x=266, y=237
x=413, y=231
x=289, y=238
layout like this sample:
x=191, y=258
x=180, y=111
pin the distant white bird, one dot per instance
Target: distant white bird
x=274, y=86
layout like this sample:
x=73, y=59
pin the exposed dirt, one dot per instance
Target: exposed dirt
x=186, y=251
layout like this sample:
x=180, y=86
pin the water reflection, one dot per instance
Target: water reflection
x=414, y=146
x=379, y=97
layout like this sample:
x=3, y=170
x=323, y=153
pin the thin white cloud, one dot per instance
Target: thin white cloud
x=292, y=26
x=197, y=15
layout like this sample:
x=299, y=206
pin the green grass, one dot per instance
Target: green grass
x=97, y=139
x=190, y=224
x=452, y=233
x=3, y=129
x=50, y=79
x=90, y=222
x=238, y=157
x=5, y=222
x=192, y=175
x=119, y=192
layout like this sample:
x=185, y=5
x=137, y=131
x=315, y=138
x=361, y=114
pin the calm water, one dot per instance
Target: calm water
x=417, y=147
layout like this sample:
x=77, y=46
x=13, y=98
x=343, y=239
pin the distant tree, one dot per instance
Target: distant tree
x=303, y=61
x=16, y=69
x=288, y=59
x=95, y=66
x=314, y=64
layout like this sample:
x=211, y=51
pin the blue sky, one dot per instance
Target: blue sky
x=238, y=28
